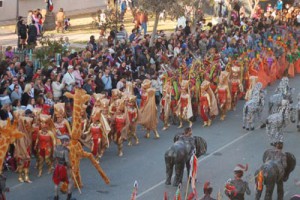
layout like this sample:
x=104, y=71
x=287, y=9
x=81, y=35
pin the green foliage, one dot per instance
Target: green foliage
x=49, y=48
x=174, y=8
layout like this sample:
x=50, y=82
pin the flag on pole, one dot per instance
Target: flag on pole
x=193, y=195
x=178, y=195
x=134, y=192
x=193, y=170
x=166, y=196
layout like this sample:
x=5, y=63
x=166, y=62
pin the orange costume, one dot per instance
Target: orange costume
x=223, y=94
x=36, y=127
x=236, y=85
x=45, y=143
x=132, y=113
x=184, y=105
x=61, y=124
x=148, y=111
x=208, y=103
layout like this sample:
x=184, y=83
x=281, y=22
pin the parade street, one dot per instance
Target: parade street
x=228, y=145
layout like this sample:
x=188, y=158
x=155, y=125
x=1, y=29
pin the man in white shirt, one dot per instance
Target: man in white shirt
x=69, y=79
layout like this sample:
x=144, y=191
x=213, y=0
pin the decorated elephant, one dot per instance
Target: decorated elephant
x=179, y=155
x=275, y=170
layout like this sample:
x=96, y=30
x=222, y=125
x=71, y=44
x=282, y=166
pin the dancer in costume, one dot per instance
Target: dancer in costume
x=236, y=86
x=121, y=121
x=208, y=103
x=45, y=143
x=23, y=149
x=223, y=94
x=132, y=113
x=252, y=81
x=184, y=106
x=148, y=111
x=60, y=122
x=165, y=105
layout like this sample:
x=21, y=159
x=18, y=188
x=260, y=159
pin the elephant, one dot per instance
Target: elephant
x=273, y=172
x=180, y=153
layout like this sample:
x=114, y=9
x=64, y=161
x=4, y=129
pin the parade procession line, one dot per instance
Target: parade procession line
x=200, y=160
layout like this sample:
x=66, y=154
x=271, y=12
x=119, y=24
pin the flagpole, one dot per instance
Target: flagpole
x=187, y=188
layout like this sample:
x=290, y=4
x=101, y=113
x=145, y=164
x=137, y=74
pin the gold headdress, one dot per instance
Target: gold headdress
x=236, y=69
x=115, y=94
x=129, y=88
x=98, y=97
x=37, y=111
x=184, y=84
x=146, y=84
x=59, y=109
x=104, y=104
x=205, y=85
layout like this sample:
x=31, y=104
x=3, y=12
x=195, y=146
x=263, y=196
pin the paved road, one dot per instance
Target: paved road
x=228, y=144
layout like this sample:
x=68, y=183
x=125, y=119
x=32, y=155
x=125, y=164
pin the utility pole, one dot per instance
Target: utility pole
x=17, y=10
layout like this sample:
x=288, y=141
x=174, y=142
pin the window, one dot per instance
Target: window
x=1, y=3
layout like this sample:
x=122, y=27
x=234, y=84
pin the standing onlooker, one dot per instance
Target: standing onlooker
x=60, y=17
x=48, y=87
x=144, y=21
x=69, y=79
x=29, y=70
x=106, y=79
x=39, y=88
x=123, y=9
x=121, y=83
x=99, y=83
x=57, y=88
x=32, y=35
x=22, y=33
x=88, y=86
x=15, y=83
x=76, y=73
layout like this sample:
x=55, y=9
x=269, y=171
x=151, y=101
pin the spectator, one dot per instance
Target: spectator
x=77, y=75
x=144, y=21
x=14, y=83
x=9, y=53
x=5, y=112
x=48, y=87
x=121, y=83
x=32, y=35
x=11, y=69
x=29, y=70
x=4, y=97
x=69, y=80
x=107, y=81
x=15, y=94
x=99, y=83
x=16, y=105
x=88, y=86
x=26, y=95
x=60, y=17
x=92, y=43
x=57, y=88
x=39, y=88
x=30, y=104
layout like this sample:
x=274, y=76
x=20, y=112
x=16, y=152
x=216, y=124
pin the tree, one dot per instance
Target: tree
x=252, y=4
x=173, y=8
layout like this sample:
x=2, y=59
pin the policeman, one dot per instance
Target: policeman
x=62, y=172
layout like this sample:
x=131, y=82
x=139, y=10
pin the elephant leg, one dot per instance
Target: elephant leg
x=169, y=169
x=269, y=191
x=280, y=191
x=179, y=167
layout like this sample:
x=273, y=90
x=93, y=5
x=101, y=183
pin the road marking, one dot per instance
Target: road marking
x=199, y=161
x=15, y=186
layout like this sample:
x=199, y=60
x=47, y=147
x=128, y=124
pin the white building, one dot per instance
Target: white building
x=8, y=8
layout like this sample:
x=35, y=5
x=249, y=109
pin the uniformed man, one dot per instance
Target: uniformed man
x=235, y=189
x=207, y=189
x=62, y=172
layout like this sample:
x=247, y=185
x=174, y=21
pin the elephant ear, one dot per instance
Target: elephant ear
x=201, y=146
x=291, y=163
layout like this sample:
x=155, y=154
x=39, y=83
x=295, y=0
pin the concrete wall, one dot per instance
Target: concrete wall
x=8, y=11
